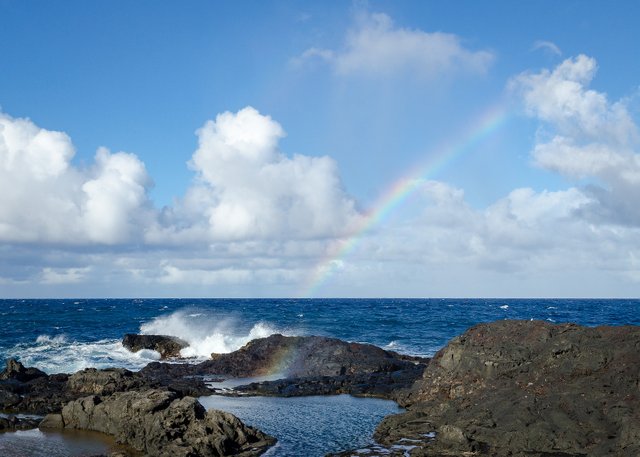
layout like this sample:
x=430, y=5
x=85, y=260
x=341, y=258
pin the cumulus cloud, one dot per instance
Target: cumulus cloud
x=247, y=189
x=374, y=46
x=256, y=221
x=585, y=136
x=252, y=208
x=46, y=199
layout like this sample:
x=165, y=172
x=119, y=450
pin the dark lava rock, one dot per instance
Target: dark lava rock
x=15, y=370
x=378, y=384
x=49, y=393
x=30, y=390
x=104, y=382
x=304, y=356
x=516, y=388
x=12, y=423
x=161, y=423
x=310, y=365
x=293, y=356
x=167, y=346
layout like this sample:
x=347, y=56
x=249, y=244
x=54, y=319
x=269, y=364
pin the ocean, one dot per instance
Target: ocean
x=69, y=335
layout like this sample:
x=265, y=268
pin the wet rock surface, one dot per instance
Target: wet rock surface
x=310, y=365
x=508, y=388
x=49, y=393
x=523, y=388
x=167, y=346
x=11, y=423
x=161, y=423
x=378, y=384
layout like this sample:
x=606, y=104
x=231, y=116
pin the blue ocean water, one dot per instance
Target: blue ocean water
x=68, y=335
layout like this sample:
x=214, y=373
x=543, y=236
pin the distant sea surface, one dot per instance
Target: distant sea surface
x=69, y=335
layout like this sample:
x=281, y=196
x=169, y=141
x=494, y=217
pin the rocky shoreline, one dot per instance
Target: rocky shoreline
x=506, y=388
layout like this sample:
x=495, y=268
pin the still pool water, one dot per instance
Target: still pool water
x=309, y=426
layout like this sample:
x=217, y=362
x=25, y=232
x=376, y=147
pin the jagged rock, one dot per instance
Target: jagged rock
x=104, y=382
x=309, y=365
x=525, y=388
x=161, y=423
x=167, y=346
x=12, y=423
x=15, y=370
x=383, y=385
x=304, y=356
x=294, y=357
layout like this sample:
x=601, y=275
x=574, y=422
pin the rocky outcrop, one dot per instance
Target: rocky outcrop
x=104, y=382
x=304, y=356
x=11, y=423
x=377, y=384
x=44, y=393
x=162, y=423
x=524, y=388
x=29, y=390
x=310, y=365
x=14, y=370
x=167, y=346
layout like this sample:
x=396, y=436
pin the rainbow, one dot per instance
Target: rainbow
x=475, y=132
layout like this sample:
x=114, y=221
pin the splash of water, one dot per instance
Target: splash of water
x=208, y=334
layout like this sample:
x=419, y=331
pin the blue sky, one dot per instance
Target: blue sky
x=328, y=105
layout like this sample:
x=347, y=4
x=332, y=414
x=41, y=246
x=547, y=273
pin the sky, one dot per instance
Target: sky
x=319, y=149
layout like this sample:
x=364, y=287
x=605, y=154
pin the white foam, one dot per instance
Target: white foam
x=51, y=340
x=207, y=333
x=504, y=307
x=55, y=354
x=392, y=345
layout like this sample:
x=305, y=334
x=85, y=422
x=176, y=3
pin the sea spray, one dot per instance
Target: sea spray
x=58, y=354
x=208, y=333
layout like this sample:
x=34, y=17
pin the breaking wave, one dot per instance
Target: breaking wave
x=58, y=354
x=207, y=333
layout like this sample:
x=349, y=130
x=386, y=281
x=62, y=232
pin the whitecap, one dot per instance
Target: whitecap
x=57, y=354
x=504, y=307
x=206, y=333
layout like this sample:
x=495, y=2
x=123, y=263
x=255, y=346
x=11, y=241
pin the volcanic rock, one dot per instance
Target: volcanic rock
x=167, y=346
x=515, y=388
x=12, y=423
x=15, y=370
x=309, y=365
x=161, y=423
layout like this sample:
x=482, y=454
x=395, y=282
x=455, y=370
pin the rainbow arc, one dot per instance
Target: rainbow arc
x=440, y=158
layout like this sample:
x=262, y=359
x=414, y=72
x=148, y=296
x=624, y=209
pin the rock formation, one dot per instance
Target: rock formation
x=163, y=424
x=508, y=388
x=525, y=388
x=167, y=346
x=309, y=365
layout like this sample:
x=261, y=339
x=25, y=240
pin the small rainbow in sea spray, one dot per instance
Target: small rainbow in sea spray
x=475, y=132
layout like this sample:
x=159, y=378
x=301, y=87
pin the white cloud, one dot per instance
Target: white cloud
x=46, y=199
x=374, y=46
x=561, y=97
x=64, y=275
x=116, y=198
x=547, y=46
x=585, y=137
x=255, y=222
x=252, y=190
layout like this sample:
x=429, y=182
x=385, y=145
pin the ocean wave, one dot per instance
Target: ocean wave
x=208, y=333
x=56, y=354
